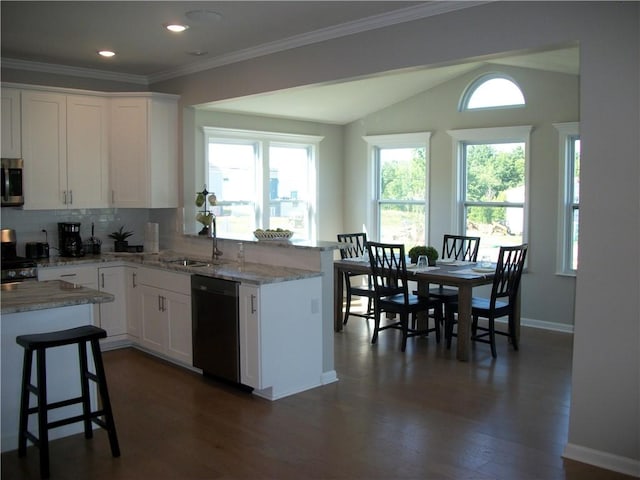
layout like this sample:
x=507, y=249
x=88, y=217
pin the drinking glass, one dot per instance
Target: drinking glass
x=422, y=261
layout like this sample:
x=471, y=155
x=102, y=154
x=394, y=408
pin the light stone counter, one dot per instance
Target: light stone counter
x=29, y=296
x=255, y=273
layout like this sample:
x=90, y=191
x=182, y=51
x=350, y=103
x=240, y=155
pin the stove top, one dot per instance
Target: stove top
x=17, y=269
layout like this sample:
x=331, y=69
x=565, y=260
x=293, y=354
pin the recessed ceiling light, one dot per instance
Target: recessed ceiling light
x=106, y=53
x=176, y=28
x=198, y=53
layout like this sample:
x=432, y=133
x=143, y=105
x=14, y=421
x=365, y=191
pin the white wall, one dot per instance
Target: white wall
x=551, y=97
x=605, y=415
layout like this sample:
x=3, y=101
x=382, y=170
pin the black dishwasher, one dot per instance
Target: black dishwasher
x=214, y=306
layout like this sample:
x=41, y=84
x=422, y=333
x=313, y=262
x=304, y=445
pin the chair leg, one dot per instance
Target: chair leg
x=24, y=402
x=43, y=432
x=348, y=306
x=84, y=386
x=448, y=327
x=438, y=319
x=404, y=319
x=376, y=327
x=492, y=337
x=104, y=394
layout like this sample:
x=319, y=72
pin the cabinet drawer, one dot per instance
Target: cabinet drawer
x=172, y=281
x=83, y=275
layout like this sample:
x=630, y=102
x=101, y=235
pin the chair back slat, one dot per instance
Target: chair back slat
x=356, y=245
x=389, y=269
x=508, y=273
x=460, y=247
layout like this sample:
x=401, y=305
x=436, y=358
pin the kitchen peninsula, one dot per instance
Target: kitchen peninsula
x=37, y=307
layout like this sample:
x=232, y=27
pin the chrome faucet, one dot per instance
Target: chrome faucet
x=215, y=253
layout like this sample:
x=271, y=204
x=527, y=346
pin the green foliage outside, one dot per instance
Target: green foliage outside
x=491, y=172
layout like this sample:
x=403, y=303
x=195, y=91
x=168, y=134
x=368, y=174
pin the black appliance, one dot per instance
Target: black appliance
x=14, y=268
x=12, y=193
x=37, y=250
x=216, y=347
x=69, y=241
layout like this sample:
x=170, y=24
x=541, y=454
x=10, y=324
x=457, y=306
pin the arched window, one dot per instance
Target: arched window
x=493, y=90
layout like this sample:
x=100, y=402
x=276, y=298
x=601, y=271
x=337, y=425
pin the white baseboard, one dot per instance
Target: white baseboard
x=543, y=325
x=605, y=460
x=329, y=377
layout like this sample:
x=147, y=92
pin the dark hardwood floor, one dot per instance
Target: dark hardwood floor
x=417, y=415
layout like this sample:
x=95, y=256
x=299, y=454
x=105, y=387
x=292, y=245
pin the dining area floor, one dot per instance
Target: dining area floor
x=415, y=415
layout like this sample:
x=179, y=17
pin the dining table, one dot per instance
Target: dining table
x=463, y=275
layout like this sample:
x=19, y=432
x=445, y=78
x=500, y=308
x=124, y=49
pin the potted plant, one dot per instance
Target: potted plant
x=429, y=251
x=120, y=243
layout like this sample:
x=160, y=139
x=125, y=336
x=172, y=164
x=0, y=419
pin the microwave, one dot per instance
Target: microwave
x=12, y=193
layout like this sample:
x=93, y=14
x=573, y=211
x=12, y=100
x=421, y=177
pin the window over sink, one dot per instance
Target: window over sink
x=261, y=180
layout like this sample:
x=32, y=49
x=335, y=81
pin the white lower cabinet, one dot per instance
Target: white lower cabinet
x=165, y=313
x=281, y=337
x=85, y=275
x=133, y=302
x=113, y=315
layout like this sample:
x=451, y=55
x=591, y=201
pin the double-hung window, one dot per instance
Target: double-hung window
x=262, y=180
x=401, y=167
x=569, y=208
x=492, y=192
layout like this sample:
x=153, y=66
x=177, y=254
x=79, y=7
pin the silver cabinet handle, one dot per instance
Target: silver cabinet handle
x=70, y=197
x=159, y=303
x=65, y=197
x=133, y=281
x=68, y=275
x=7, y=185
x=164, y=309
x=113, y=196
x=102, y=275
x=253, y=308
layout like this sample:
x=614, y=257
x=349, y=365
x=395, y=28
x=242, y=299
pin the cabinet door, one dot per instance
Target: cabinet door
x=10, y=123
x=133, y=302
x=153, y=321
x=128, y=158
x=44, y=149
x=178, y=309
x=113, y=314
x=250, y=336
x=87, y=152
x=85, y=275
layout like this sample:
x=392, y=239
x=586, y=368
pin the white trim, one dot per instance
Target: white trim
x=544, y=325
x=609, y=461
x=55, y=69
x=261, y=134
x=514, y=134
x=328, y=377
x=400, y=140
x=565, y=130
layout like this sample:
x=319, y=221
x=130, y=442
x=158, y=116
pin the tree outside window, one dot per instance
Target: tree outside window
x=492, y=172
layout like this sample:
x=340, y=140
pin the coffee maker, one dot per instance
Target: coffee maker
x=69, y=241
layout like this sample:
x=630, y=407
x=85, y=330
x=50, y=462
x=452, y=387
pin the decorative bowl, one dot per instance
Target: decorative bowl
x=273, y=234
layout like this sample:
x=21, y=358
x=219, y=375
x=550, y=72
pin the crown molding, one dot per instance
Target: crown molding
x=428, y=9
x=56, y=69
x=408, y=14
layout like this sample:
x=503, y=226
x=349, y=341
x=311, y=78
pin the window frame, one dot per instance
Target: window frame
x=462, y=137
x=567, y=133
x=399, y=140
x=463, y=105
x=263, y=140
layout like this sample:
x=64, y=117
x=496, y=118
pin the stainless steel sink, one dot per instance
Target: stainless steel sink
x=186, y=262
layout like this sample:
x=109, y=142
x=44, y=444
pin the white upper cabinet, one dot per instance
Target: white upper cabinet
x=144, y=151
x=65, y=150
x=11, y=142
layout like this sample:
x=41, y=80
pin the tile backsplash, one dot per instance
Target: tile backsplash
x=29, y=224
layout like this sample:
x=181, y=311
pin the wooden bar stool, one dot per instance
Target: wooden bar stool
x=39, y=343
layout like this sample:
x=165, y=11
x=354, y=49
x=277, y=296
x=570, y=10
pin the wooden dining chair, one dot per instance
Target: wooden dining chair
x=502, y=302
x=458, y=247
x=356, y=246
x=389, y=272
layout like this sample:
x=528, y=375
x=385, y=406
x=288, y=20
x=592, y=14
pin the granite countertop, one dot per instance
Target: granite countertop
x=255, y=273
x=28, y=296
